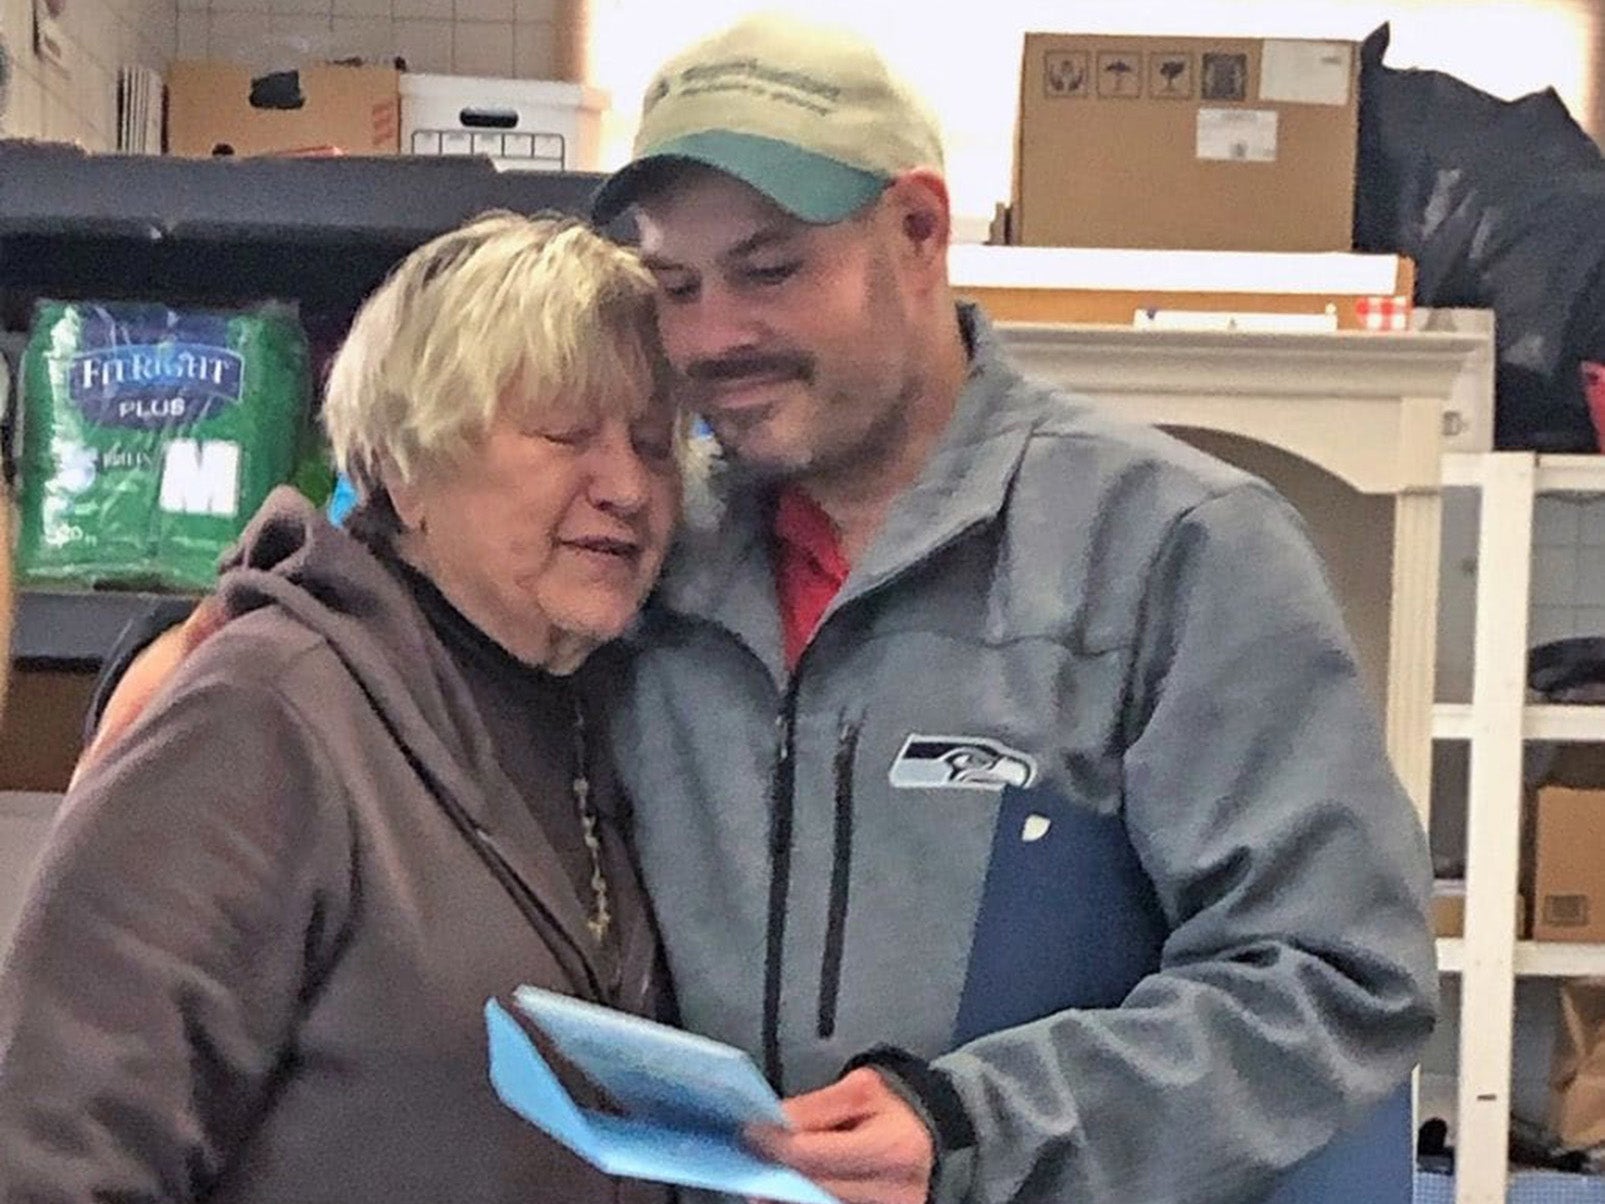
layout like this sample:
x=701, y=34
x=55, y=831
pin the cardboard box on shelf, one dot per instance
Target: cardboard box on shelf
x=1569, y=873
x=1577, y=1071
x=1449, y=909
x=346, y=109
x=41, y=733
x=1186, y=143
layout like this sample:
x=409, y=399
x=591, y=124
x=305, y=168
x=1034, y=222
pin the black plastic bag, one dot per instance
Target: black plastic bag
x=1501, y=204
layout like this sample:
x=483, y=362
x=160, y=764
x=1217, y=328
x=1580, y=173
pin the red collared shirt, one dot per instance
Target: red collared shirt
x=809, y=567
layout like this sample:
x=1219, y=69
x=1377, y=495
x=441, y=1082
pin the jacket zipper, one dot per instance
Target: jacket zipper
x=830, y=973
x=782, y=803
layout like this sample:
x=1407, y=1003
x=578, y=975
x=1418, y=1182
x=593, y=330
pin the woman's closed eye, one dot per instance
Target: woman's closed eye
x=576, y=435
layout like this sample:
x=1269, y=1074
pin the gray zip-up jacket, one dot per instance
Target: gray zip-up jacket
x=1076, y=793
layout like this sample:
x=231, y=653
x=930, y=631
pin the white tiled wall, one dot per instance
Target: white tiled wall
x=1568, y=568
x=1568, y=580
x=79, y=104
x=509, y=38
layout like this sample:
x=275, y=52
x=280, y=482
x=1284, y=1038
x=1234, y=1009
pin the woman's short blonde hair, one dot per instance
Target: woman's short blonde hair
x=538, y=313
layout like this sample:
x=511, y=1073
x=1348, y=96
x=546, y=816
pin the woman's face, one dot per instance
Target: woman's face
x=548, y=536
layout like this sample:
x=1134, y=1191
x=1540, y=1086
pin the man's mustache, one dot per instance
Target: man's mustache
x=733, y=368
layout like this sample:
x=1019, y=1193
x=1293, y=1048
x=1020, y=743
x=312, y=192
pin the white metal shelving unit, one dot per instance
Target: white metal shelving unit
x=1533, y=959
x=1496, y=724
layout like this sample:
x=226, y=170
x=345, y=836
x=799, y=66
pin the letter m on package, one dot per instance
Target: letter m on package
x=201, y=477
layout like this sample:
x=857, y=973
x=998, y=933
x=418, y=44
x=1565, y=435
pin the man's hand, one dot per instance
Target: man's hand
x=858, y=1140
x=147, y=674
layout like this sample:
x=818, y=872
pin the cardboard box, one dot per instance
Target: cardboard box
x=1569, y=876
x=1186, y=143
x=522, y=124
x=41, y=734
x=1577, y=1070
x=352, y=110
x=1449, y=909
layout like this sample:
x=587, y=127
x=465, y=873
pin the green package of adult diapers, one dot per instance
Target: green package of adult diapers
x=151, y=435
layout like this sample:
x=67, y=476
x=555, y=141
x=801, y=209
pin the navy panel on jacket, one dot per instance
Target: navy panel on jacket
x=1067, y=922
x=1073, y=923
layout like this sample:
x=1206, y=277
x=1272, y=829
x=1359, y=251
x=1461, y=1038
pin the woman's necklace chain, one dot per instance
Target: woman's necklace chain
x=600, y=921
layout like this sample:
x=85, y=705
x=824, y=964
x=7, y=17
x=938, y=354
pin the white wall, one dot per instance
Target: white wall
x=969, y=64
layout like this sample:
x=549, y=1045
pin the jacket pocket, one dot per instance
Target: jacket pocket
x=841, y=872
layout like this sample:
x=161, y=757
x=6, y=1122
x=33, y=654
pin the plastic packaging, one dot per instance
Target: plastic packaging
x=151, y=435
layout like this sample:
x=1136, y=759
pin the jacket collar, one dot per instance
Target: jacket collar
x=721, y=569
x=966, y=483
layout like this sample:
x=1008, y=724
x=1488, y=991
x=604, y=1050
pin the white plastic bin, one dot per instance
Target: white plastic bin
x=524, y=125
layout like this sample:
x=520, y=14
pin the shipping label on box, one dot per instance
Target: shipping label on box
x=1313, y=73
x=1186, y=143
x=1569, y=879
x=1237, y=135
x=220, y=108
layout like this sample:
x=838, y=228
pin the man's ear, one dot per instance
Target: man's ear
x=919, y=203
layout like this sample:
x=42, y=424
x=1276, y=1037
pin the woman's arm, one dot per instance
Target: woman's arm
x=196, y=878
x=148, y=654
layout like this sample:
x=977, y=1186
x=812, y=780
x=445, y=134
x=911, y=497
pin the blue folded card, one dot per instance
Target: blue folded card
x=684, y=1099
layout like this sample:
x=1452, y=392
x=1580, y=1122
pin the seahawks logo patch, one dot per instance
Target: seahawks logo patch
x=960, y=763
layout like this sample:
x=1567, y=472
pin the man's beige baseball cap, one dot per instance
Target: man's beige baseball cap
x=808, y=114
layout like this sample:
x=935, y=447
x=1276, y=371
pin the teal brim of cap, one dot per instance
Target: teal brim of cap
x=812, y=187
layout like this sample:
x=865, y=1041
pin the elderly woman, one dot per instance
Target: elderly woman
x=254, y=965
